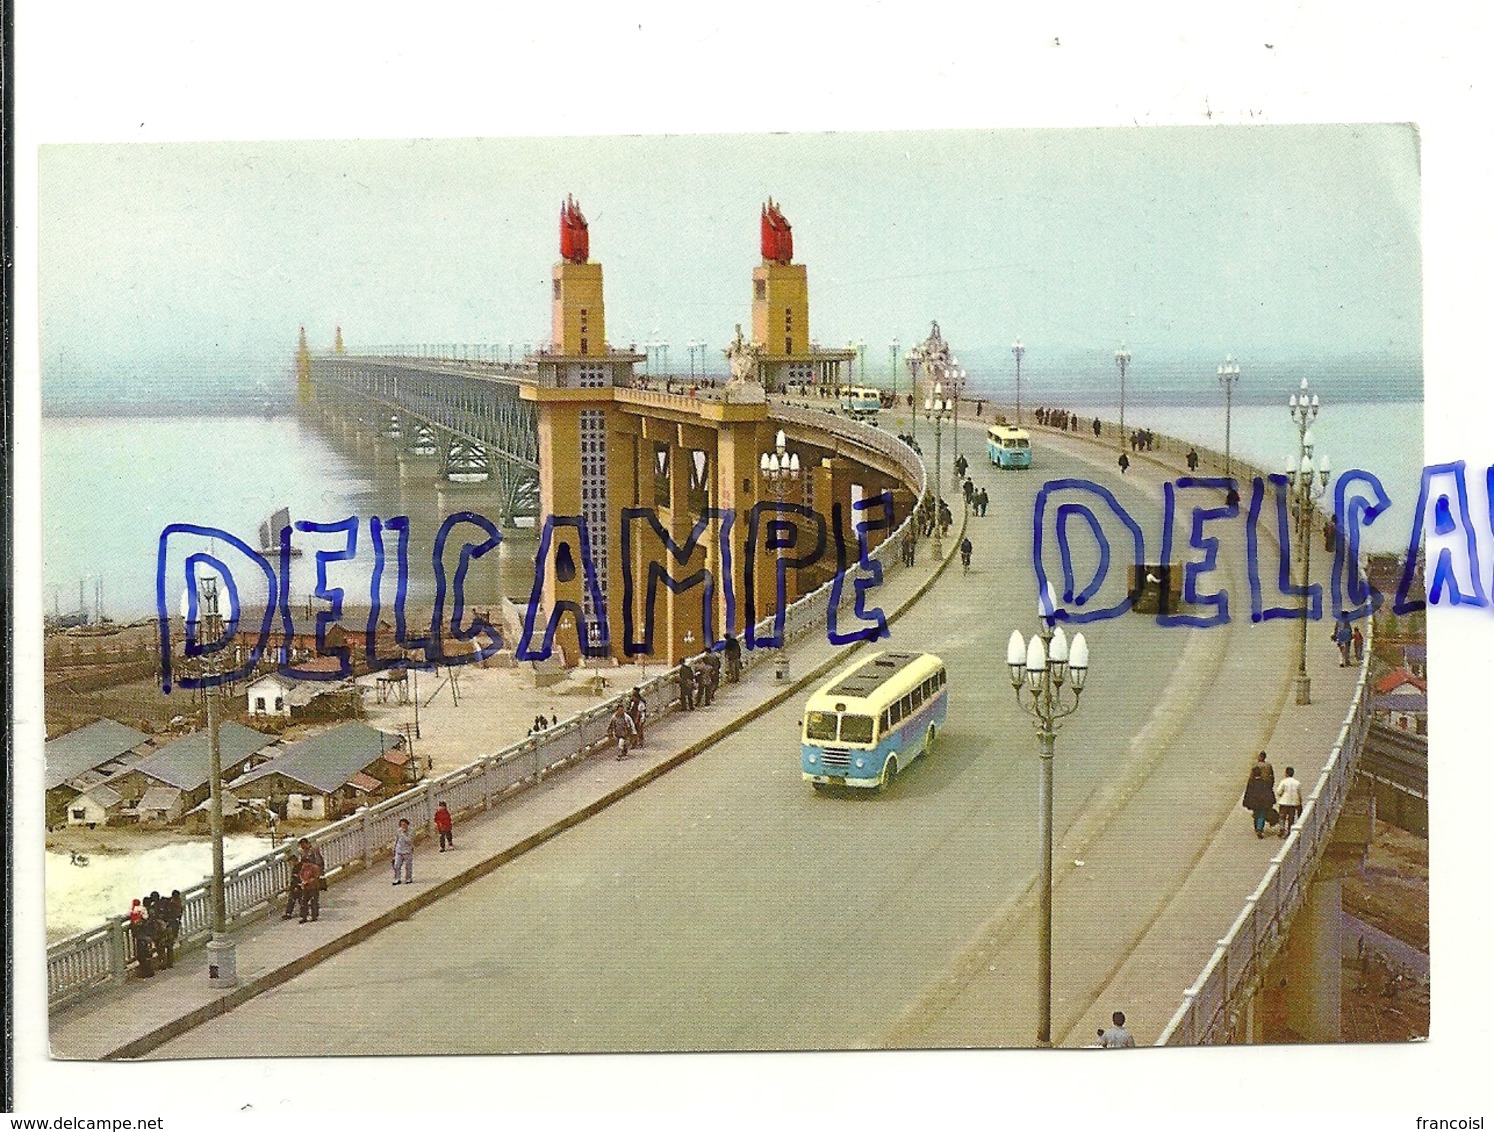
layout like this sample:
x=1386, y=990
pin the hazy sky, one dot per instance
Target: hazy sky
x=1264, y=241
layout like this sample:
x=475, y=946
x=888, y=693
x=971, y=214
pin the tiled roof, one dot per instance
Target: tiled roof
x=82, y=750
x=326, y=760
x=183, y=763
x=158, y=798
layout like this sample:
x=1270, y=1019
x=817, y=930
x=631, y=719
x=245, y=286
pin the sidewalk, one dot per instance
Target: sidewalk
x=130, y=1020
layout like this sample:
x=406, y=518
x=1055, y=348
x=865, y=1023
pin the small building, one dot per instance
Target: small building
x=1405, y=709
x=1414, y=659
x=86, y=758
x=159, y=805
x=1399, y=679
x=290, y=697
x=329, y=774
x=96, y=806
x=237, y=817
x=182, y=765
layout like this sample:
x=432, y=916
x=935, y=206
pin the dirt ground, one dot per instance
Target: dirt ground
x=1382, y=1000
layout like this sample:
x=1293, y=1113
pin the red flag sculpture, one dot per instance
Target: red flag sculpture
x=777, y=235
x=575, y=241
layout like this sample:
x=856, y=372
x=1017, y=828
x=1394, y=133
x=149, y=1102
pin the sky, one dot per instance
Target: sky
x=1267, y=242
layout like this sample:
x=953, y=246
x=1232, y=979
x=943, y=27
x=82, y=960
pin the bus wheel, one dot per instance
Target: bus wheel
x=889, y=772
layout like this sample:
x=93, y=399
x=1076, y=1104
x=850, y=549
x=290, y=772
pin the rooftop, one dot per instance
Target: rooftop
x=329, y=759
x=82, y=750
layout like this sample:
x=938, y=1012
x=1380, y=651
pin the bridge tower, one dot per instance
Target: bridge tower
x=337, y=346
x=303, y=368
x=780, y=313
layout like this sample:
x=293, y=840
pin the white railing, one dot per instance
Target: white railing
x=89, y=961
x=1208, y=1013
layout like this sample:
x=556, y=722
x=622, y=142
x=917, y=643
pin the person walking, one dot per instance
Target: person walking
x=909, y=546
x=637, y=712
x=311, y=887
x=172, y=907
x=1330, y=534
x=1358, y=640
x=733, y=648
x=985, y=501
x=140, y=931
x=404, y=852
x=620, y=730
x=293, y=893
x=965, y=551
x=1193, y=459
x=1117, y=1037
x=1124, y=462
x=686, y=680
x=1343, y=638
x=1096, y=427
x=1259, y=799
x=1289, y=800
x=1268, y=771
x=442, y=821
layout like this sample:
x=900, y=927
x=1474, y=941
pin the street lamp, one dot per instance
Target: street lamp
x=861, y=351
x=892, y=349
x=1122, y=360
x=1017, y=351
x=1041, y=666
x=1309, y=482
x=665, y=347
x=779, y=469
x=956, y=378
x=1229, y=373
x=937, y=408
x=222, y=951
x=915, y=361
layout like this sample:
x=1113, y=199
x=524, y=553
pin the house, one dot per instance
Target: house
x=1404, y=708
x=182, y=765
x=1399, y=678
x=159, y=805
x=1414, y=659
x=288, y=697
x=86, y=758
x=97, y=805
x=237, y=817
x=328, y=774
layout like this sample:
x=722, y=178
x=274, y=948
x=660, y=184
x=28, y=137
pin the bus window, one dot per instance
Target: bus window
x=917, y=697
x=896, y=712
x=820, y=726
x=856, y=729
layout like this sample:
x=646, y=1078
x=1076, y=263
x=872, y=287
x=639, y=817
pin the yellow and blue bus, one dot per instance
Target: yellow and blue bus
x=1009, y=447
x=860, y=402
x=872, y=719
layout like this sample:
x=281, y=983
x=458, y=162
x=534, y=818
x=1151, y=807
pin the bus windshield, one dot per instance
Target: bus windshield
x=820, y=726
x=856, y=729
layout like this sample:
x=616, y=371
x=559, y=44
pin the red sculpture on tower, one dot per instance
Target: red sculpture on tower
x=777, y=235
x=575, y=243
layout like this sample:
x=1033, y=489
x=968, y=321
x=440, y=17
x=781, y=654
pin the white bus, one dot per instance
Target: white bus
x=872, y=719
x=860, y=402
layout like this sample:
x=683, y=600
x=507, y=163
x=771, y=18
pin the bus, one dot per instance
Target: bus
x=872, y=719
x=860, y=402
x=1008, y=447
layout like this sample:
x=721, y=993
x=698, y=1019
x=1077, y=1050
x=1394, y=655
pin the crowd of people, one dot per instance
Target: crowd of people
x=1061, y=419
x=1142, y=440
x=1271, y=802
x=155, y=925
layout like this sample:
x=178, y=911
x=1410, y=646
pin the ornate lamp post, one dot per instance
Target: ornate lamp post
x=1017, y=351
x=1229, y=373
x=892, y=350
x=1041, y=666
x=937, y=408
x=1308, y=482
x=955, y=376
x=780, y=469
x=1122, y=360
x=915, y=364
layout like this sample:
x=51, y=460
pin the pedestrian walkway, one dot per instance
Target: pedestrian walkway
x=130, y=1020
x=1151, y=879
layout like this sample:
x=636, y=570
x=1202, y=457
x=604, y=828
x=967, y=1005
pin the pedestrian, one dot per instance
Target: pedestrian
x=173, y=908
x=1289, y=800
x=1358, y=640
x=142, y=928
x=404, y=852
x=686, y=679
x=1096, y=427
x=554, y=720
x=1193, y=459
x=1117, y=1037
x=1267, y=770
x=1330, y=533
x=311, y=887
x=293, y=893
x=909, y=546
x=311, y=851
x=637, y=712
x=733, y=648
x=1259, y=799
x=1124, y=462
x=443, y=826
x=620, y=730
x=985, y=501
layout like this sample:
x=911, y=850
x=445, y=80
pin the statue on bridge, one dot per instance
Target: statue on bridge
x=744, y=388
x=575, y=240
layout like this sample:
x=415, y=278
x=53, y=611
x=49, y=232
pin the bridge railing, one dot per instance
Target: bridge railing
x=1208, y=1013
x=92, y=960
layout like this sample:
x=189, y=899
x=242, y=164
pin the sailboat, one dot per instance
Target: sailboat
x=269, y=533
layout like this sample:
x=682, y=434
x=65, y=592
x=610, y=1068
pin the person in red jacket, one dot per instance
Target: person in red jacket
x=443, y=826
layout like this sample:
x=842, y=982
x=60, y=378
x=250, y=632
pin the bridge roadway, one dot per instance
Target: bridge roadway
x=728, y=907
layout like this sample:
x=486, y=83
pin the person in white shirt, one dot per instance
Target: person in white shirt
x=1117, y=1037
x=1289, y=800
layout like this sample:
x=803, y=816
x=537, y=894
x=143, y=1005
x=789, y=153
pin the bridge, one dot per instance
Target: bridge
x=700, y=896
